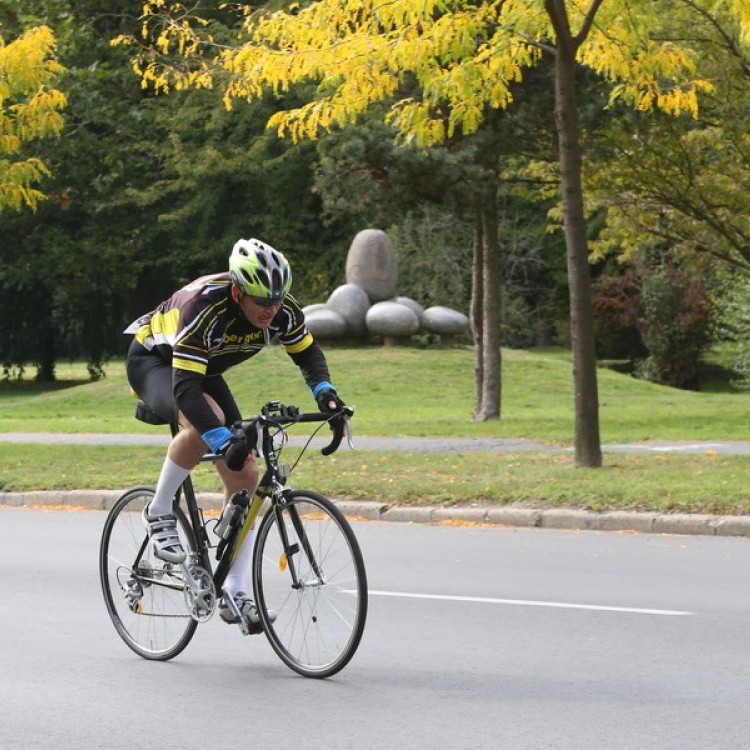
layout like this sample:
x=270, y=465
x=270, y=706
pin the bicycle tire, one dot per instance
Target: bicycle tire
x=147, y=607
x=318, y=625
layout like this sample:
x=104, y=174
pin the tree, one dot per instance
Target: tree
x=223, y=177
x=681, y=185
x=682, y=182
x=465, y=56
x=65, y=270
x=29, y=109
x=144, y=194
x=460, y=176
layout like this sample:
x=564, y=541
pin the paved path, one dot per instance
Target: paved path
x=557, y=518
x=361, y=442
x=403, y=444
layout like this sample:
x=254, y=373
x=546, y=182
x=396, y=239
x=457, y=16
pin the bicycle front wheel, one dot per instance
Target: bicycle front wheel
x=145, y=596
x=308, y=571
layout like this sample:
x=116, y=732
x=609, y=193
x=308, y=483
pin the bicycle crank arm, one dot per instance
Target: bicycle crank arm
x=235, y=610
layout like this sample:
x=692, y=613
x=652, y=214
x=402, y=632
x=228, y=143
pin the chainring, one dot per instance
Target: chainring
x=200, y=598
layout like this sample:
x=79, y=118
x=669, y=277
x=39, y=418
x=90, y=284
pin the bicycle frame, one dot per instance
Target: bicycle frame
x=271, y=487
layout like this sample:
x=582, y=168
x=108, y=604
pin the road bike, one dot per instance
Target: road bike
x=307, y=566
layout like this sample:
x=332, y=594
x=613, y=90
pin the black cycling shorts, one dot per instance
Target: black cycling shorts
x=151, y=378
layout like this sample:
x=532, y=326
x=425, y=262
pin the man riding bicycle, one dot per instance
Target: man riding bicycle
x=175, y=364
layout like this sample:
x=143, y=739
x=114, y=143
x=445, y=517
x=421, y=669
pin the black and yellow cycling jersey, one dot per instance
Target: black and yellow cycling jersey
x=200, y=331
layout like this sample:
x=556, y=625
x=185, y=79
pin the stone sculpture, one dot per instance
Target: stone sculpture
x=371, y=264
x=368, y=304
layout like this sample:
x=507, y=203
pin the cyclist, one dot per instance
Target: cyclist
x=175, y=364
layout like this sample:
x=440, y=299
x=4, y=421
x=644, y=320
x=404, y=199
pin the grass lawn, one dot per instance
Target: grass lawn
x=421, y=392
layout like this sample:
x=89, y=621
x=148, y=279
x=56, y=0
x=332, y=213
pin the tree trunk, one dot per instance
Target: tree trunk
x=587, y=440
x=47, y=356
x=475, y=313
x=488, y=406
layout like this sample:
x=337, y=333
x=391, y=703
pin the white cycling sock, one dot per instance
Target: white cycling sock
x=170, y=479
x=236, y=579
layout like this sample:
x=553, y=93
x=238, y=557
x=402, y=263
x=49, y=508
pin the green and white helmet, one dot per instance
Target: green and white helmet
x=259, y=270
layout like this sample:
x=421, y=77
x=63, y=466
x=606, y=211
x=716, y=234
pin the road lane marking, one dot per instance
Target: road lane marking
x=531, y=603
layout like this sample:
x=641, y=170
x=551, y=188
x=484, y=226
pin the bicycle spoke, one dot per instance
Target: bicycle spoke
x=144, y=595
x=319, y=624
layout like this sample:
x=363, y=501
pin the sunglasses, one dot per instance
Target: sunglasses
x=266, y=302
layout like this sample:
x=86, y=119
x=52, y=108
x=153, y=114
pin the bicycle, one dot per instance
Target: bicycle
x=307, y=567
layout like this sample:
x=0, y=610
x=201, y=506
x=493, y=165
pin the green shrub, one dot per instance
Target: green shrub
x=676, y=323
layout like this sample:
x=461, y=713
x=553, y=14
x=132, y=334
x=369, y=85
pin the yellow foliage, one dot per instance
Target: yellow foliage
x=463, y=57
x=16, y=179
x=29, y=109
x=742, y=11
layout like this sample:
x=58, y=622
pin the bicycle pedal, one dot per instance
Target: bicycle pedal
x=236, y=617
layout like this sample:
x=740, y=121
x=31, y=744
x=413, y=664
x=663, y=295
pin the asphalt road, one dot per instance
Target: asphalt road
x=477, y=637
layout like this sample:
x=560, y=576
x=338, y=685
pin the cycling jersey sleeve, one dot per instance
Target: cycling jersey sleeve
x=299, y=344
x=188, y=395
x=312, y=363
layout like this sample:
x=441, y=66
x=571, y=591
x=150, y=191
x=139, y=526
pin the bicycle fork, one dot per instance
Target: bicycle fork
x=290, y=550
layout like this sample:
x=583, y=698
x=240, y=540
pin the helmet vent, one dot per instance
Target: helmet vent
x=262, y=277
x=275, y=286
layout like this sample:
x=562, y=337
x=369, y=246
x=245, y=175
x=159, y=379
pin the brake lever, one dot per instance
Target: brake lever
x=339, y=427
x=253, y=435
x=348, y=432
x=259, y=441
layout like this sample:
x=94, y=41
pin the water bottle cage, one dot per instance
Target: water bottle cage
x=231, y=520
x=227, y=522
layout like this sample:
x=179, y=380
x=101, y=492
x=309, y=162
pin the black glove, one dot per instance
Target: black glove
x=236, y=453
x=326, y=397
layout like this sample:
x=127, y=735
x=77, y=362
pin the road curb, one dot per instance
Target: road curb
x=509, y=516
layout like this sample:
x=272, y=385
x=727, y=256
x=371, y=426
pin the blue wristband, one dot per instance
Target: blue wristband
x=321, y=386
x=217, y=438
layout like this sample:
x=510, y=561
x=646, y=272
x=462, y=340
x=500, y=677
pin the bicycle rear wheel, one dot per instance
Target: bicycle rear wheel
x=308, y=569
x=144, y=595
